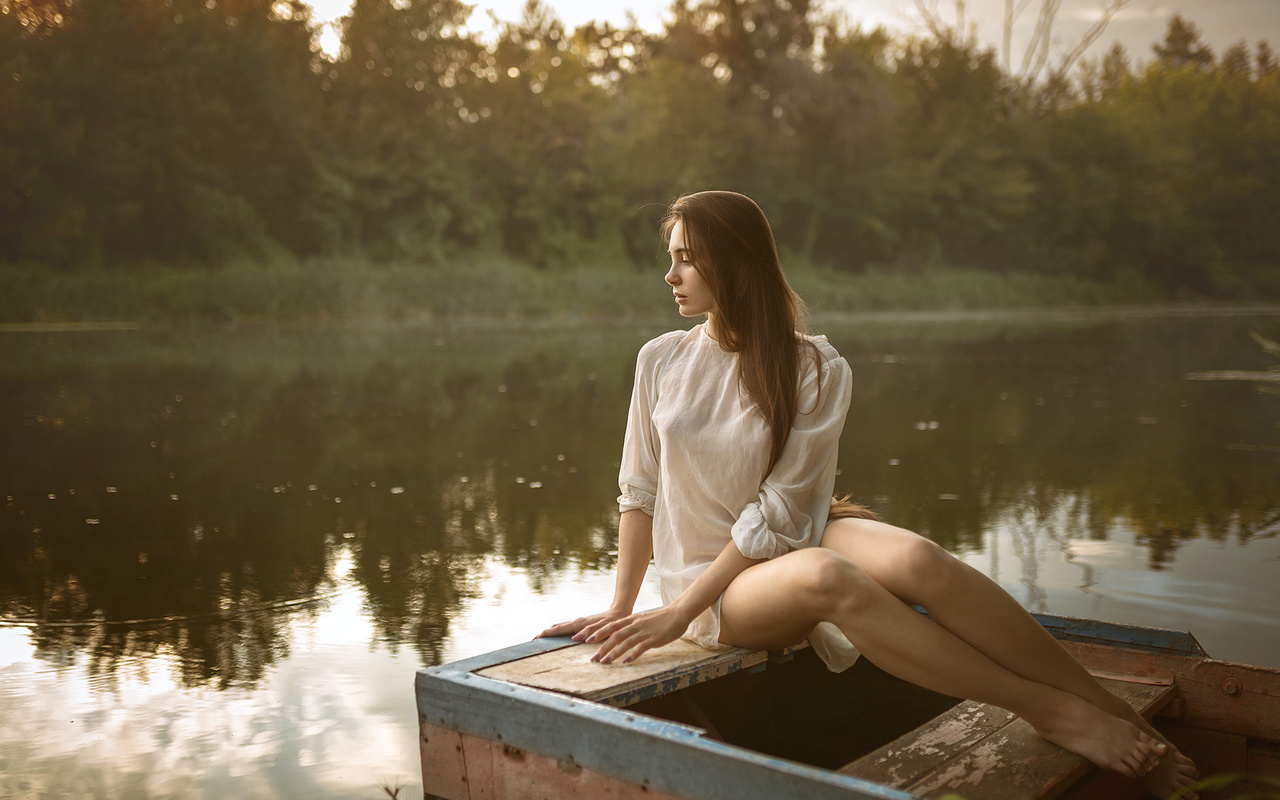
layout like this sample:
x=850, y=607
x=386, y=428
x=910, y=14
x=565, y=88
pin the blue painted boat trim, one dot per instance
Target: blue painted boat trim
x=1116, y=634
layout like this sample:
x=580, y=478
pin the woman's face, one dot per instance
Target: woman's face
x=690, y=291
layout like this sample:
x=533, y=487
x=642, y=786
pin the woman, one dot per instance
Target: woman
x=727, y=472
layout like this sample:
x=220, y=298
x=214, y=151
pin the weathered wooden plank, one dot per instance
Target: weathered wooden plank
x=1236, y=698
x=532, y=647
x=444, y=771
x=985, y=753
x=482, y=773
x=1013, y=761
x=910, y=757
x=504, y=772
x=1144, y=696
x=660, y=671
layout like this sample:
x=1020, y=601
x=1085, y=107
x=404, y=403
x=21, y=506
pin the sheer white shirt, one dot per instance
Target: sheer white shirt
x=694, y=459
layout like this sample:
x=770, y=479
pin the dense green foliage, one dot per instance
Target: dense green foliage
x=202, y=132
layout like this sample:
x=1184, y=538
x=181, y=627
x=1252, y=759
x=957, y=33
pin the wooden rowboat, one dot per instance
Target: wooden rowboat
x=538, y=720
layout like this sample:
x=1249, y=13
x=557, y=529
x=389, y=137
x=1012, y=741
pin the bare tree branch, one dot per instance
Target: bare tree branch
x=1092, y=35
x=1007, y=41
x=1045, y=43
x=1037, y=50
x=932, y=18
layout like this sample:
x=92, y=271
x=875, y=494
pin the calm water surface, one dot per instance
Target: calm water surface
x=223, y=554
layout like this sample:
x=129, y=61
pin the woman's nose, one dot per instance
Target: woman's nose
x=672, y=278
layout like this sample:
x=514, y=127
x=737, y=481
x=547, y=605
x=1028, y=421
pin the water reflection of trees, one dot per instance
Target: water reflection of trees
x=166, y=500
x=220, y=479
x=1098, y=413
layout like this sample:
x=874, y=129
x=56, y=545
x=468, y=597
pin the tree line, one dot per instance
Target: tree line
x=202, y=132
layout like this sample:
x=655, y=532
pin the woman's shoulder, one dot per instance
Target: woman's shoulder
x=827, y=354
x=821, y=365
x=659, y=347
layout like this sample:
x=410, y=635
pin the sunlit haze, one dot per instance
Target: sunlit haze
x=1138, y=25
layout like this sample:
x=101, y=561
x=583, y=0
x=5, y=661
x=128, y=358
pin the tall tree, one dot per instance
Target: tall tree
x=397, y=118
x=1182, y=46
x=160, y=129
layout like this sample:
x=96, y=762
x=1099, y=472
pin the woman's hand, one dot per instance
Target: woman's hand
x=628, y=638
x=582, y=627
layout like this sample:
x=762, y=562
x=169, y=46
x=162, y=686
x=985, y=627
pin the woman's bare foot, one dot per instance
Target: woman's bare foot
x=1174, y=772
x=1108, y=741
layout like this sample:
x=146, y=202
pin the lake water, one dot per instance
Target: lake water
x=224, y=553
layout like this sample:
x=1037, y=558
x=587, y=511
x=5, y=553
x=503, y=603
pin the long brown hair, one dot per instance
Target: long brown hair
x=757, y=313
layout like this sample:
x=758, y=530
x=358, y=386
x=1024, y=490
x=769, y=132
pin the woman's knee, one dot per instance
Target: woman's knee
x=828, y=580
x=928, y=570
x=907, y=564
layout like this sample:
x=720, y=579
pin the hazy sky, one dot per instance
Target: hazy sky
x=1141, y=23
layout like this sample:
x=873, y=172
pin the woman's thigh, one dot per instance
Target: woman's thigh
x=776, y=603
x=772, y=604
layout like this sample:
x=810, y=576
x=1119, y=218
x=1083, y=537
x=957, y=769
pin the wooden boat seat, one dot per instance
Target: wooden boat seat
x=667, y=669
x=981, y=752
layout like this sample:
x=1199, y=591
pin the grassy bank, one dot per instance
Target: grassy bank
x=336, y=290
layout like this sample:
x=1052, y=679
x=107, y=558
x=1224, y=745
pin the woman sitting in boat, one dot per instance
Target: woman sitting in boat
x=727, y=475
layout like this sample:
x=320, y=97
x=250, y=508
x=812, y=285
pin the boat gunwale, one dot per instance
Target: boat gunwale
x=636, y=748
x=673, y=757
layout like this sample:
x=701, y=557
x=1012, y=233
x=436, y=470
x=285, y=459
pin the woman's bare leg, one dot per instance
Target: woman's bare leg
x=975, y=609
x=779, y=601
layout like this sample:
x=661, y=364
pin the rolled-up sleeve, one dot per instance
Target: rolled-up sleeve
x=638, y=474
x=791, y=510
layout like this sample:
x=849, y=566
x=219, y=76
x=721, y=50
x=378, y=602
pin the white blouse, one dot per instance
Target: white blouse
x=694, y=456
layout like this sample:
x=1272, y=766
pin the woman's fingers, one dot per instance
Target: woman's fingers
x=605, y=629
x=628, y=639
x=559, y=629
x=582, y=627
x=611, y=637
x=618, y=648
x=571, y=627
x=638, y=649
x=593, y=630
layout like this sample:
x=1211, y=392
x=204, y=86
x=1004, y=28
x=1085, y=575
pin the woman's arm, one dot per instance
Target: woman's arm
x=627, y=638
x=635, y=549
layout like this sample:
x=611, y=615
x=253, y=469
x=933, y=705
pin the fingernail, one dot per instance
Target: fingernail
x=577, y=637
